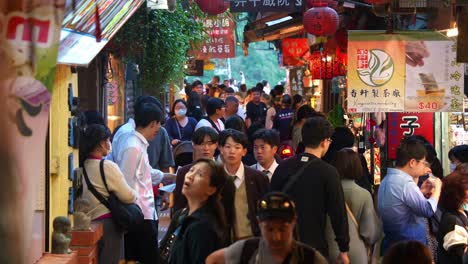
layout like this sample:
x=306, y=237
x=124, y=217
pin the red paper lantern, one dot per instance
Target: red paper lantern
x=213, y=7
x=316, y=3
x=321, y=21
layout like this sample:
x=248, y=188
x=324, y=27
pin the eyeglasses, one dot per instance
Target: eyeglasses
x=427, y=164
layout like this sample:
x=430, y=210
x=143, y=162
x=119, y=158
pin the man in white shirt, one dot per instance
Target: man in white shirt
x=130, y=153
x=250, y=185
x=265, y=146
x=215, y=108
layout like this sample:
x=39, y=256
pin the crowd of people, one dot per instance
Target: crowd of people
x=240, y=198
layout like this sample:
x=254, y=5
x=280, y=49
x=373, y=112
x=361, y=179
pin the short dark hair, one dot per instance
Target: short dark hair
x=405, y=252
x=237, y=136
x=144, y=99
x=235, y=122
x=342, y=137
x=315, y=130
x=256, y=89
x=286, y=100
x=199, y=135
x=196, y=83
x=147, y=113
x=408, y=149
x=259, y=86
x=305, y=111
x=93, y=117
x=278, y=90
x=348, y=164
x=231, y=99
x=229, y=90
x=213, y=104
x=460, y=153
x=453, y=190
x=216, y=77
x=270, y=136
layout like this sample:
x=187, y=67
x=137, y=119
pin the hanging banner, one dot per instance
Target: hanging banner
x=221, y=43
x=405, y=71
x=279, y=6
x=29, y=43
x=402, y=125
x=295, y=51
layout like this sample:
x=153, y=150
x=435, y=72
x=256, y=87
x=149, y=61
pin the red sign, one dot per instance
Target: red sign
x=221, y=44
x=407, y=124
x=295, y=51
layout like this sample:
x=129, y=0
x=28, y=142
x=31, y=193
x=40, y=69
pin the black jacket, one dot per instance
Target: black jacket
x=455, y=252
x=316, y=193
x=198, y=237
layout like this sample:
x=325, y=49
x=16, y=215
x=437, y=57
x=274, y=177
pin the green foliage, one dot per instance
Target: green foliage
x=261, y=63
x=158, y=41
x=336, y=116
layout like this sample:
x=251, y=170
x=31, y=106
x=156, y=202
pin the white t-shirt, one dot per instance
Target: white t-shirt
x=205, y=123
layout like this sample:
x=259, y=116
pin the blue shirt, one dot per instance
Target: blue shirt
x=403, y=207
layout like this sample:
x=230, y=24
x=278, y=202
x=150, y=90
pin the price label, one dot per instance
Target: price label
x=428, y=105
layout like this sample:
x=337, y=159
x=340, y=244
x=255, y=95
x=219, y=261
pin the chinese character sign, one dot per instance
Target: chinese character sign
x=221, y=43
x=295, y=51
x=376, y=76
x=407, y=71
x=267, y=5
x=402, y=125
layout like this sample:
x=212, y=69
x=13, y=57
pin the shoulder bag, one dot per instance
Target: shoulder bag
x=294, y=177
x=125, y=215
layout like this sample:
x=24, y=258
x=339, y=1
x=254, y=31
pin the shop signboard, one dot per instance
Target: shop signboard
x=279, y=6
x=406, y=124
x=78, y=43
x=29, y=43
x=295, y=51
x=405, y=71
x=220, y=43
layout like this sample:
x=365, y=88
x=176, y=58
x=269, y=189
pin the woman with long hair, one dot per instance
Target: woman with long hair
x=200, y=228
x=362, y=219
x=94, y=146
x=194, y=106
x=453, y=233
x=180, y=127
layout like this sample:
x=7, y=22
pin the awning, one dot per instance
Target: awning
x=78, y=45
x=273, y=27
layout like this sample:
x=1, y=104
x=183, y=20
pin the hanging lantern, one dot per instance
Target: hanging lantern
x=315, y=3
x=213, y=7
x=321, y=21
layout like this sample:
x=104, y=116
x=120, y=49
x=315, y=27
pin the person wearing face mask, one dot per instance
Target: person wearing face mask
x=94, y=146
x=180, y=127
x=457, y=156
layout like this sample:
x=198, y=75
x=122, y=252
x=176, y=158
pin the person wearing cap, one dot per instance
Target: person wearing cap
x=215, y=108
x=276, y=214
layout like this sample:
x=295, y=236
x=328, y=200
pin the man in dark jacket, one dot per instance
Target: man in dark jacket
x=316, y=191
x=250, y=185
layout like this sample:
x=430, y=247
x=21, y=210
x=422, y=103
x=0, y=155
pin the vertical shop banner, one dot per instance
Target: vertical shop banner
x=29, y=44
x=405, y=71
x=220, y=43
x=295, y=51
x=402, y=125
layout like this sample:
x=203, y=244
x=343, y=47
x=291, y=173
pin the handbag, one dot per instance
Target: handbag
x=166, y=244
x=124, y=215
